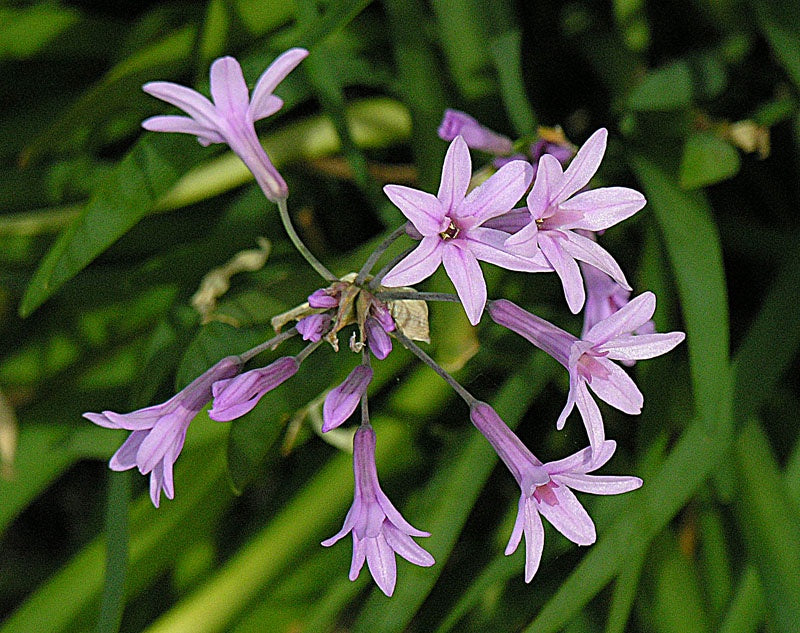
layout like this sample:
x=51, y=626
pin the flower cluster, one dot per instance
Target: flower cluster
x=535, y=213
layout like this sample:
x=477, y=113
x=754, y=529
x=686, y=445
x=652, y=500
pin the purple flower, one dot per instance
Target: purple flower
x=379, y=531
x=343, y=400
x=547, y=488
x=589, y=359
x=159, y=431
x=555, y=212
x=231, y=117
x=314, y=327
x=450, y=225
x=457, y=123
x=236, y=396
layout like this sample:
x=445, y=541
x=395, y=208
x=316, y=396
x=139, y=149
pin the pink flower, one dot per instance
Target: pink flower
x=457, y=123
x=589, y=359
x=341, y=402
x=230, y=119
x=557, y=208
x=159, y=431
x=450, y=226
x=546, y=489
x=379, y=531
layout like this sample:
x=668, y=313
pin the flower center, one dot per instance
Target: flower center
x=450, y=233
x=545, y=494
x=589, y=367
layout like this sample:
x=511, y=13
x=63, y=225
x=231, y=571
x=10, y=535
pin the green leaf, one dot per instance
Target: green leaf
x=113, y=601
x=707, y=160
x=778, y=21
x=128, y=194
x=23, y=32
x=667, y=88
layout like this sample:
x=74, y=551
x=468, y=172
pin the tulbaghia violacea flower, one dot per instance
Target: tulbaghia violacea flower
x=379, y=531
x=589, y=359
x=234, y=397
x=450, y=225
x=314, y=327
x=230, y=119
x=546, y=489
x=341, y=402
x=557, y=209
x=158, y=432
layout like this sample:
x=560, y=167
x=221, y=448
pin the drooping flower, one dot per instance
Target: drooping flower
x=230, y=119
x=158, y=432
x=234, y=397
x=379, y=530
x=557, y=209
x=341, y=402
x=477, y=136
x=589, y=359
x=546, y=489
x=450, y=225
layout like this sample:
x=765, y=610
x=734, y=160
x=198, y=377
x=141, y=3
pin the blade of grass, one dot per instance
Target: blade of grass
x=113, y=600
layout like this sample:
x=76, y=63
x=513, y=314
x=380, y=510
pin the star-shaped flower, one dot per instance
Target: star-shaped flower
x=546, y=489
x=450, y=226
x=159, y=431
x=230, y=119
x=589, y=359
x=557, y=209
x=379, y=530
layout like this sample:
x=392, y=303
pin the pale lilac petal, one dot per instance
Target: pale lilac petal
x=641, y=346
x=591, y=252
x=269, y=80
x=158, y=442
x=542, y=196
x=569, y=517
x=155, y=486
x=582, y=167
x=313, y=327
x=229, y=89
x=403, y=544
x=420, y=264
x=456, y=174
x=381, y=562
x=534, y=540
x=599, y=484
x=137, y=420
x=546, y=336
x=341, y=402
x=457, y=123
x=577, y=462
x=604, y=207
x=590, y=413
x=628, y=318
x=497, y=195
x=524, y=242
x=488, y=245
x=349, y=522
x=467, y=277
x=618, y=389
x=167, y=479
x=424, y=210
x=182, y=124
x=394, y=515
x=125, y=457
x=554, y=249
x=188, y=100
x=269, y=106
x=233, y=398
x=359, y=556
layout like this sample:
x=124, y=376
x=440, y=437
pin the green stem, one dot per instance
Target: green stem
x=376, y=280
x=400, y=295
x=270, y=344
x=376, y=254
x=298, y=243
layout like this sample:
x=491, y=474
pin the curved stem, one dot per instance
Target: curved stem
x=270, y=344
x=400, y=295
x=298, y=243
x=417, y=351
x=376, y=254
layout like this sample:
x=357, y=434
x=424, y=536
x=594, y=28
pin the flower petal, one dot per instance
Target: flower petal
x=599, y=484
x=589, y=251
x=488, y=245
x=423, y=209
x=229, y=89
x=497, y=195
x=184, y=125
x=456, y=174
x=569, y=517
x=455, y=123
x=548, y=179
x=190, y=101
x=405, y=546
x=590, y=413
x=381, y=562
x=618, y=389
x=420, y=264
x=582, y=167
x=641, y=346
x=534, y=539
x=604, y=207
x=125, y=457
x=262, y=101
x=467, y=277
x=341, y=402
x=554, y=249
x=628, y=318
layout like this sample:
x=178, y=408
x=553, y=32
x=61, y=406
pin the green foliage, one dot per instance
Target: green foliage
x=106, y=232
